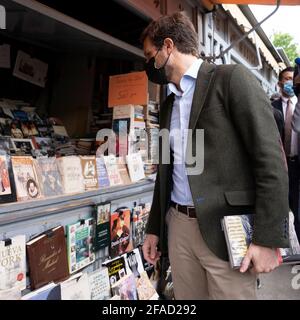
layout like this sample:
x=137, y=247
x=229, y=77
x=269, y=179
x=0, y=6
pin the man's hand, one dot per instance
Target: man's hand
x=150, y=249
x=264, y=259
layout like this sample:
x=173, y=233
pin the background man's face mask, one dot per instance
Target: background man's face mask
x=288, y=88
x=156, y=75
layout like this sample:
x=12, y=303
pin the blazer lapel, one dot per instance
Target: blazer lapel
x=166, y=112
x=203, y=82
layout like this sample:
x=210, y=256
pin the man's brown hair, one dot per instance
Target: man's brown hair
x=179, y=28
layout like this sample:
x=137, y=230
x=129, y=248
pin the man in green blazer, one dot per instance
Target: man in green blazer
x=238, y=169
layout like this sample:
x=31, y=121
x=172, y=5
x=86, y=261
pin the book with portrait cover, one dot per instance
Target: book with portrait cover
x=47, y=258
x=26, y=180
x=102, y=228
x=80, y=244
x=13, y=263
x=71, y=173
x=49, y=176
x=134, y=263
x=120, y=232
x=238, y=230
x=89, y=172
x=7, y=183
x=103, y=180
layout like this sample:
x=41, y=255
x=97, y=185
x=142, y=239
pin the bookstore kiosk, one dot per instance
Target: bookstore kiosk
x=73, y=63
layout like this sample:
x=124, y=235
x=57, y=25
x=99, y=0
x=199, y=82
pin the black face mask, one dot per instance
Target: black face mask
x=156, y=75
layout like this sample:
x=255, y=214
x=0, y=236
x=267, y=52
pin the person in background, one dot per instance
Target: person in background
x=286, y=105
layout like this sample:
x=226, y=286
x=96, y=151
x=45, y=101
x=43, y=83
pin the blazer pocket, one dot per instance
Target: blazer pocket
x=240, y=198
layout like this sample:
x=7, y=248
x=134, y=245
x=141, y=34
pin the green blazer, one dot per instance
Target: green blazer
x=244, y=163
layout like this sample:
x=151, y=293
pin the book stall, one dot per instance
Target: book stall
x=72, y=214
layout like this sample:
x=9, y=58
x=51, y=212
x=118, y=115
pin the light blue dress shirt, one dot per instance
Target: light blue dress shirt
x=180, y=118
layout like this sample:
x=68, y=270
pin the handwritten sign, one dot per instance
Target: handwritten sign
x=130, y=88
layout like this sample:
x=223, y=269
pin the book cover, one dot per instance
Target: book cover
x=7, y=183
x=89, y=171
x=13, y=263
x=238, y=230
x=111, y=165
x=120, y=232
x=125, y=288
x=116, y=269
x=80, y=244
x=123, y=171
x=71, y=173
x=135, y=167
x=25, y=178
x=103, y=180
x=145, y=288
x=139, y=223
x=121, y=128
x=134, y=263
x=50, y=291
x=49, y=176
x=102, y=229
x=100, y=285
x=76, y=288
x=47, y=258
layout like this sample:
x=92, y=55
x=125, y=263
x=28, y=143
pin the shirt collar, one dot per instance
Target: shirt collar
x=293, y=99
x=192, y=73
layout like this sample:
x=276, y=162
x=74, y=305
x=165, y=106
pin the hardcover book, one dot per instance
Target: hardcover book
x=13, y=263
x=26, y=179
x=102, y=229
x=238, y=230
x=47, y=258
x=71, y=173
x=49, y=177
x=89, y=171
x=120, y=232
x=80, y=244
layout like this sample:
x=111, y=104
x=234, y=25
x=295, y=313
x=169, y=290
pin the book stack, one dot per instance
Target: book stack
x=152, y=115
x=83, y=147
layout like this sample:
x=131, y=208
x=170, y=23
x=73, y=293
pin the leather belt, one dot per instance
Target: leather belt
x=189, y=211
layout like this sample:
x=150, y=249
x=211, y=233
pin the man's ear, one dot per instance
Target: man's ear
x=168, y=42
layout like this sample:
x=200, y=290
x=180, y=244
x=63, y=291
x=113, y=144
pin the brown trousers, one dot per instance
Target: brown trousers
x=197, y=273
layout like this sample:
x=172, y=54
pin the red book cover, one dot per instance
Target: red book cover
x=120, y=230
